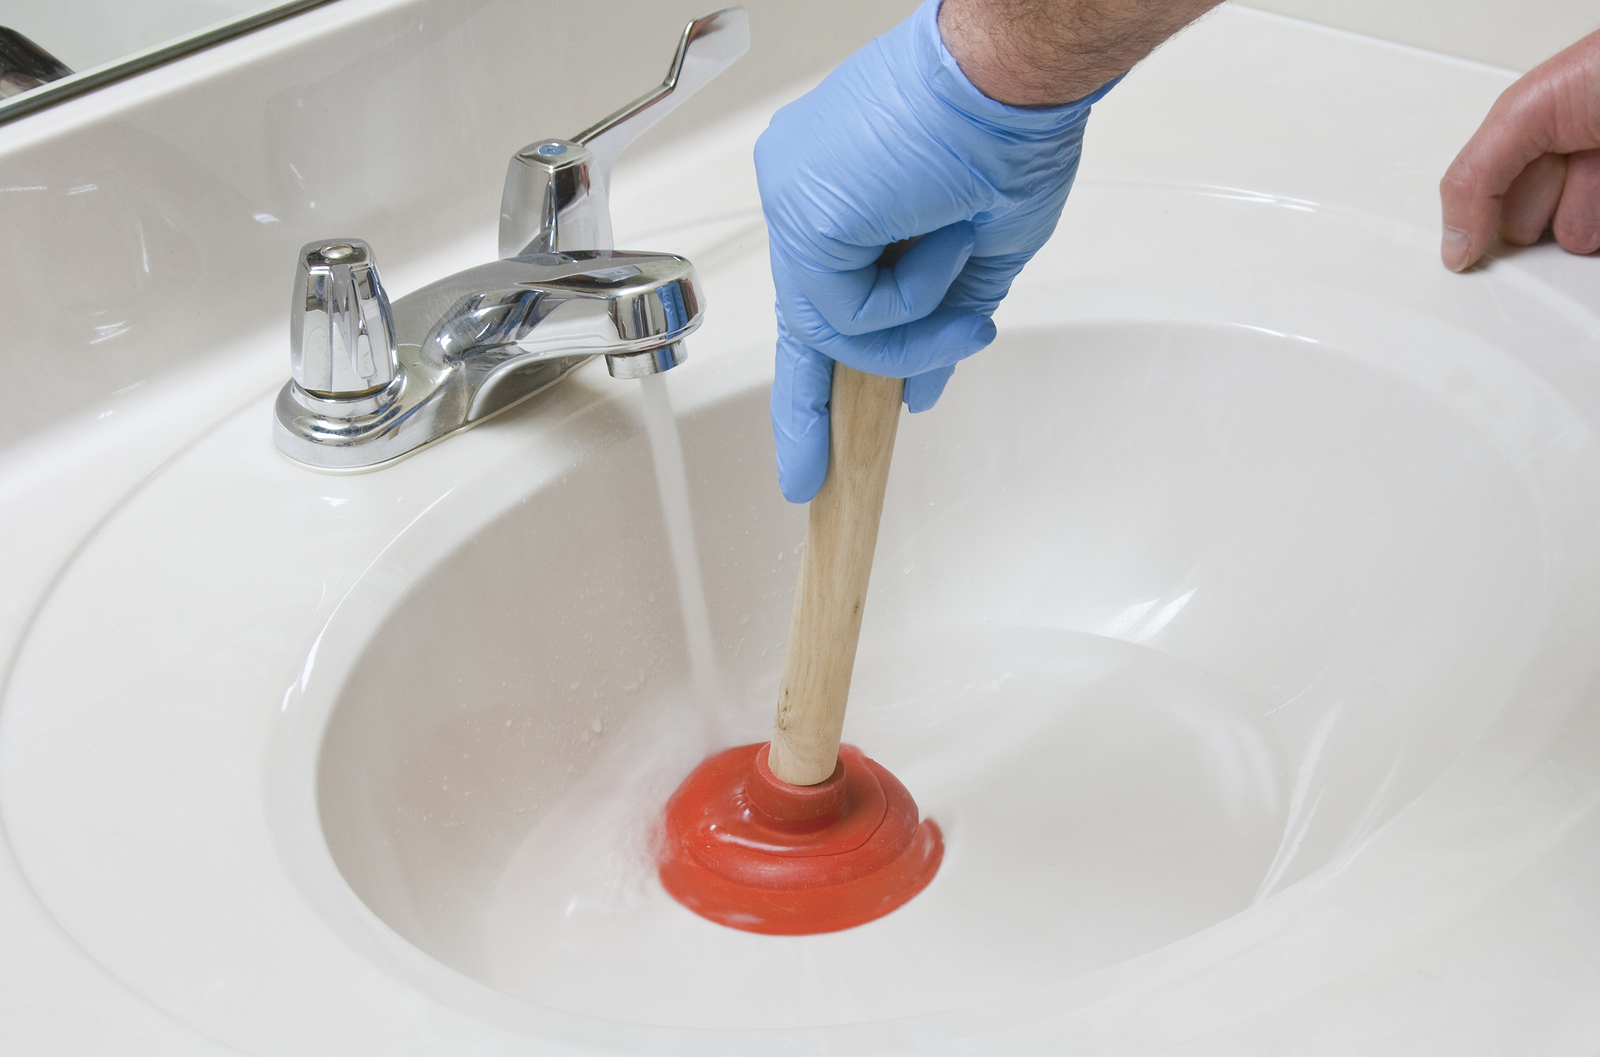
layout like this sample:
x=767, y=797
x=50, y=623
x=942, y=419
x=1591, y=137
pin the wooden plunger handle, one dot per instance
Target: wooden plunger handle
x=834, y=569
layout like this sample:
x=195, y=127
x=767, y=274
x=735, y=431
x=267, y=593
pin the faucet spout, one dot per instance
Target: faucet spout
x=510, y=324
x=474, y=343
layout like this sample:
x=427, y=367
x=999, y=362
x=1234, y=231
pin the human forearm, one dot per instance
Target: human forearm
x=916, y=135
x=1047, y=52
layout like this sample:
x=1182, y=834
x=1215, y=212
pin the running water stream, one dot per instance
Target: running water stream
x=672, y=481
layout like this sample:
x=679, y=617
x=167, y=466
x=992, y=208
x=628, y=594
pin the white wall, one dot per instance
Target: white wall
x=1515, y=34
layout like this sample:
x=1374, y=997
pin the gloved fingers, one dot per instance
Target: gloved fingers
x=942, y=337
x=985, y=281
x=801, y=387
x=938, y=340
x=872, y=297
x=923, y=390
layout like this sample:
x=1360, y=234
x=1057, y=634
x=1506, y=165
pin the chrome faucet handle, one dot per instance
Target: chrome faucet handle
x=341, y=339
x=557, y=192
x=710, y=44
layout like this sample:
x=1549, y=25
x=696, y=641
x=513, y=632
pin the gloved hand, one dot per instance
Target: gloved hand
x=897, y=143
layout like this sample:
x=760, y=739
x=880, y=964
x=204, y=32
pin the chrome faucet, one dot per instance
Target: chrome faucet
x=373, y=382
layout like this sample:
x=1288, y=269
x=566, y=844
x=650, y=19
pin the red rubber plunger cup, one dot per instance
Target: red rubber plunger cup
x=802, y=834
x=751, y=851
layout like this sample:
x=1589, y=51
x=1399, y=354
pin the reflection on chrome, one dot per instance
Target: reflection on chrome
x=24, y=65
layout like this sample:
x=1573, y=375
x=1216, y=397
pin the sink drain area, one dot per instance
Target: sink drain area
x=1153, y=638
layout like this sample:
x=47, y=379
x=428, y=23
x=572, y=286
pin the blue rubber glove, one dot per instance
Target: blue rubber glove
x=897, y=143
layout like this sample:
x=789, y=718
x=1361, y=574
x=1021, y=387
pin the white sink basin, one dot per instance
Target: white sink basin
x=1232, y=615
x=1182, y=620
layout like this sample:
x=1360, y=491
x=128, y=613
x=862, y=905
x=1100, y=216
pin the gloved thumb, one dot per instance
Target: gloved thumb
x=923, y=390
x=801, y=386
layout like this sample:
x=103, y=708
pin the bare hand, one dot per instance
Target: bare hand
x=1533, y=165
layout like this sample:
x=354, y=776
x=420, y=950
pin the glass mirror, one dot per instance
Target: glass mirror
x=51, y=50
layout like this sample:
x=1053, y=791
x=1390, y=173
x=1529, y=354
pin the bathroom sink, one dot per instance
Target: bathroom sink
x=1198, y=597
x=1231, y=615
x=1183, y=621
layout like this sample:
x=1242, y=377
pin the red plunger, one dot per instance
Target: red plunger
x=801, y=834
